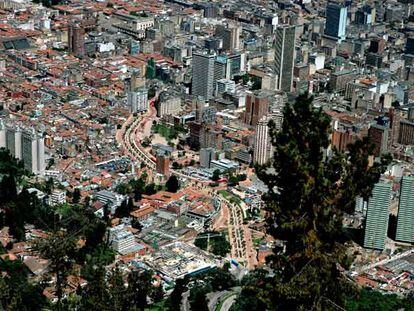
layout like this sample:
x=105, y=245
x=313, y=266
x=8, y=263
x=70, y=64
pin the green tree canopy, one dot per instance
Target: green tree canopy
x=308, y=192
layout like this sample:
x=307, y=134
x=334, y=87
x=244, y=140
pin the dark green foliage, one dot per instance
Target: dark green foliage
x=172, y=184
x=174, y=301
x=198, y=296
x=126, y=207
x=216, y=175
x=308, y=194
x=135, y=223
x=11, y=173
x=59, y=249
x=76, y=196
x=101, y=256
x=216, y=243
x=16, y=293
x=253, y=286
x=176, y=166
x=150, y=189
x=368, y=300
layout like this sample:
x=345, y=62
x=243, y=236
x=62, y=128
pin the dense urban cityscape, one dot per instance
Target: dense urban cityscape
x=206, y=155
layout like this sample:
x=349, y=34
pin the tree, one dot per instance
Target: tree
x=136, y=224
x=198, y=299
x=172, y=184
x=59, y=249
x=16, y=292
x=308, y=194
x=123, y=209
x=176, y=165
x=150, y=189
x=216, y=175
x=214, y=242
x=139, y=288
x=174, y=301
x=76, y=196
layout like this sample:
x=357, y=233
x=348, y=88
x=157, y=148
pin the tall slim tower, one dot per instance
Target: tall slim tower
x=376, y=225
x=2, y=134
x=262, y=143
x=14, y=141
x=336, y=16
x=76, y=39
x=405, y=223
x=138, y=99
x=285, y=56
x=203, y=75
x=257, y=106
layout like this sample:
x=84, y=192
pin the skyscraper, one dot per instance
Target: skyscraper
x=33, y=151
x=163, y=164
x=376, y=225
x=3, y=131
x=405, y=223
x=336, y=16
x=230, y=36
x=76, y=39
x=14, y=141
x=285, y=56
x=203, y=75
x=257, y=106
x=138, y=100
x=262, y=143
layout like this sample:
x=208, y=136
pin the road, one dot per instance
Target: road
x=133, y=131
x=239, y=235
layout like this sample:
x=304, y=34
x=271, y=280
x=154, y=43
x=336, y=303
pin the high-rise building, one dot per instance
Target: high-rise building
x=134, y=82
x=409, y=46
x=3, y=131
x=262, y=144
x=376, y=225
x=33, y=152
x=163, y=164
x=168, y=104
x=206, y=156
x=230, y=35
x=379, y=134
x=257, y=106
x=405, y=222
x=336, y=16
x=27, y=146
x=14, y=141
x=406, y=133
x=138, y=100
x=285, y=56
x=76, y=39
x=203, y=75
x=365, y=15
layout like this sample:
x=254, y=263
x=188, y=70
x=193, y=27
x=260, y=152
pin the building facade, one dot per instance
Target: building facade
x=203, y=75
x=376, y=225
x=285, y=56
x=405, y=222
x=336, y=16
